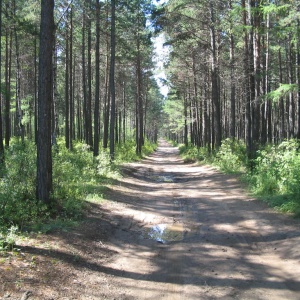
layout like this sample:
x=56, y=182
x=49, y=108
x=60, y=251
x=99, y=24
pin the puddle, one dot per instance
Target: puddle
x=164, y=233
x=163, y=178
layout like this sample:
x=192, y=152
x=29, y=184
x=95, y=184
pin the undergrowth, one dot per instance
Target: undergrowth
x=274, y=176
x=78, y=178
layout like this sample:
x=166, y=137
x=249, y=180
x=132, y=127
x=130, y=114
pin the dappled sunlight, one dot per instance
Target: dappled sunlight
x=173, y=231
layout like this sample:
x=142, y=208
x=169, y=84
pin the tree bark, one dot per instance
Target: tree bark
x=112, y=80
x=97, y=83
x=1, y=100
x=214, y=82
x=44, y=156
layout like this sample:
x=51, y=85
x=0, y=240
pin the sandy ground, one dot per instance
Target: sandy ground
x=167, y=230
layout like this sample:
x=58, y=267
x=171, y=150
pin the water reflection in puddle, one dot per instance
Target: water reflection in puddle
x=164, y=233
x=168, y=178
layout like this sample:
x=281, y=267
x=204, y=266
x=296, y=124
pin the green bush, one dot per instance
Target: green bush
x=77, y=177
x=192, y=153
x=126, y=152
x=277, y=169
x=8, y=238
x=17, y=185
x=276, y=176
x=231, y=157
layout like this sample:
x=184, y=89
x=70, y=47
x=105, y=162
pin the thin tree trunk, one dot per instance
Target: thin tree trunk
x=67, y=94
x=282, y=133
x=19, y=115
x=84, y=85
x=232, y=82
x=35, y=92
x=97, y=83
x=1, y=100
x=71, y=99
x=297, y=73
x=106, y=110
x=124, y=112
x=7, y=87
x=248, y=126
x=112, y=80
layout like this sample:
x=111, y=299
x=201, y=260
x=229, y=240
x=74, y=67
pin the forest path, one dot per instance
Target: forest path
x=167, y=230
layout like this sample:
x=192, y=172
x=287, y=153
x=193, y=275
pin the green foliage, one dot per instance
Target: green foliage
x=78, y=178
x=277, y=169
x=17, y=185
x=275, y=177
x=231, y=157
x=282, y=91
x=191, y=153
x=8, y=238
x=174, y=111
x=127, y=151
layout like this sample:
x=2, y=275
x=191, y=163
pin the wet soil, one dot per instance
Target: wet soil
x=167, y=230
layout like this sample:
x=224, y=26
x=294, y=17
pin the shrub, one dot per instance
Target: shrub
x=277, y=169
x=231, y=157
x=8, y=238
x=17, y=185
x=192, y=153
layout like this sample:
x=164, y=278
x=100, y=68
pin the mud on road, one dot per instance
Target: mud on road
x=167, y=230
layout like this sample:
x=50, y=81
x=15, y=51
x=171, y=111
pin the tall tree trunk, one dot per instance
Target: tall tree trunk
x=256, y=78
x=214, y=81
x=19, y=127
x=268, y=103
x=84, y=85
x=139, y=102
x=70, y=66
x=282, y=132
x=291, y=102
x=97, y=83
x=89, y=96
x=44, y=156
x=67, y=92
x=124, y=112
x=7, y=86
x=112, y=80
x=232, y=81
x=297, y=74
x=185, y=131
x=35, y=92
x=247, y=92
x=54, y=128
x=1, y=100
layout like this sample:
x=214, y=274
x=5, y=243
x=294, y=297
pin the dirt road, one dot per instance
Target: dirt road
x=168, y=230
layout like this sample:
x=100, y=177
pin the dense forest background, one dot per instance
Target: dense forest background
x=79, y=92
x=235, y=69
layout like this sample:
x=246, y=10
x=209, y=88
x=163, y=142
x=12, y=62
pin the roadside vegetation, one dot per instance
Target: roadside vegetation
x=273, y=175
x=78, y=179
